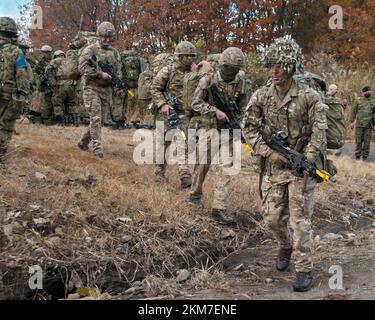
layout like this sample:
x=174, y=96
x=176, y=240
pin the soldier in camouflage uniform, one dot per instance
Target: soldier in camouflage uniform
x=14, y=82
x=97, y=85
x=64, y=91
x=170, y=79
x=297, y=110
x=363, y=114
x=232, y=85
x=337, y=108
x=43, y=88
x=25, y=48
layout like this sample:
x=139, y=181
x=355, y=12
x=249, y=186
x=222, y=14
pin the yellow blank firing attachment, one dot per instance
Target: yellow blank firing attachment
x=325, y=175
x=249, y=148
x=130, y=94
x=183, y=135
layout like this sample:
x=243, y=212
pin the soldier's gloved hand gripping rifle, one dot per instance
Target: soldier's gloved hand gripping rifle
x=296, y=162
x=230, y=108
x=173, y=119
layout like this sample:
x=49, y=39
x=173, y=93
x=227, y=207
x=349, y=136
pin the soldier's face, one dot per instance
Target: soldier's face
x=187, y=59
x=48, y=56
x=106, y=41
x=279, y=75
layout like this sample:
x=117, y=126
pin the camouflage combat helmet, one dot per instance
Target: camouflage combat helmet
x=286, y=53
x=185, y=47
x=58, y=53
x=106, y=29
x=46, y=48
x=8, y=25
x=213, y=57
x=232, y=56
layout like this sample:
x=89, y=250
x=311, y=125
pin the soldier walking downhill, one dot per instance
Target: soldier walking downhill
x=170, y=80
x=97, y=85
x=287, y=197
x=232, y=85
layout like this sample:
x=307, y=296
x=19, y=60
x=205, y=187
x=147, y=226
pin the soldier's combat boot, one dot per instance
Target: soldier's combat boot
x=283, y=259
x=74, y=120
x=186, y=182
x=303, y=282
x=83, y=147
x=100, y=155
x=223, y=216
x=195, y=200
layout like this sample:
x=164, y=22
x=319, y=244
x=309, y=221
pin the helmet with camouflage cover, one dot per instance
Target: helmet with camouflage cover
x=185, y=48
x=106, y=29
x=286, y=53
x=8, y=25
x=232, y=56
x=58, y=53
x=46, y=49
x=213, y=57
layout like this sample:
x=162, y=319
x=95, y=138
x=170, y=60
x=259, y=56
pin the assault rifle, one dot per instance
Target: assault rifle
x=296, y=162
x=231, y=110
x=173, y=119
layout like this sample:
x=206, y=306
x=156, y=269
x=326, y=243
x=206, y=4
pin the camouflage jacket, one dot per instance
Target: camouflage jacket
x=13, y=70
x=363, y=112
x=51, y=71
x=301, y=114
x=40, y=71
x=89, y=68
x=203, y=105
x=170, y=79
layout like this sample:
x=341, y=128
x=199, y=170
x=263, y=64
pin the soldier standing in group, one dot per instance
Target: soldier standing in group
x=64, y=90
x=232, y=85
x=297, y=110
x=43, y=87
x=335, y=117
x=170, y=80
x=97, y=85
x=14, y=80
x=363, y=114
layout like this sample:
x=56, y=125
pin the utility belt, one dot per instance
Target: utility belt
x=65, y=81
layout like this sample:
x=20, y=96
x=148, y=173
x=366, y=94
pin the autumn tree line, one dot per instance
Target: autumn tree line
x=155, y=26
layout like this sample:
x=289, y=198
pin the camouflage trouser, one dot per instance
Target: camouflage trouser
x=287, y=198
x=64, y=100
x=80, y=109
x=183, y=168
x=118, y=107
x=47, y=107
x=97, y=102
x=10, y=111
x=222, y=181
x=362, y=140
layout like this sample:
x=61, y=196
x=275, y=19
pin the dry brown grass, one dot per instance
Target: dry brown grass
x=111, y=223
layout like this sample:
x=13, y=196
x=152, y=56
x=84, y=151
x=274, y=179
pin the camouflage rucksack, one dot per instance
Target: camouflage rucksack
x=191, y=81
x=131, y=68
x=69, y=66
x=336, y=132
x=146, y=77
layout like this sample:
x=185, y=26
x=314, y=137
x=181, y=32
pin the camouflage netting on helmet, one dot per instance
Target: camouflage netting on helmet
x=286, y=53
